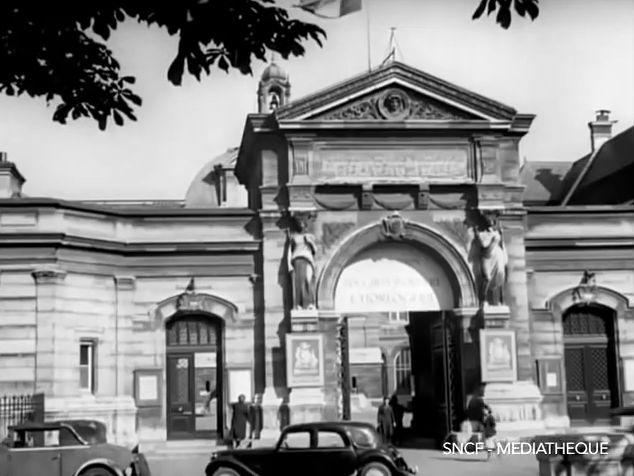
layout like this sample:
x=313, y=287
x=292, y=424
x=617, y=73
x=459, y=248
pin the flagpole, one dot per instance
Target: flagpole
x=367, y=8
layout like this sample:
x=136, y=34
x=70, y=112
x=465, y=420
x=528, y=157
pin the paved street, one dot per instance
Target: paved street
x=429, y=462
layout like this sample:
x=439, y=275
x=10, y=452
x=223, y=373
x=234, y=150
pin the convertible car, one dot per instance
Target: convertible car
x=57, y=449
x=315, y=449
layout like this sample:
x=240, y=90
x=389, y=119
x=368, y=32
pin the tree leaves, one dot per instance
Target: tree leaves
x=504, y=15
x=45, y=50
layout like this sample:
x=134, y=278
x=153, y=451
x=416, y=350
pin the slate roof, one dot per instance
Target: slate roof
x=603, y=178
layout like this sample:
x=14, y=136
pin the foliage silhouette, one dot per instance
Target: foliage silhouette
x=53, y=49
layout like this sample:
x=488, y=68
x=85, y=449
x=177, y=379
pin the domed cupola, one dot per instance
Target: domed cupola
x=274, y=89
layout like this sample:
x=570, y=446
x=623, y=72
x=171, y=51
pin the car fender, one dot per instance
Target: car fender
x=376, y=457
x=230, y=463
x=111, y=465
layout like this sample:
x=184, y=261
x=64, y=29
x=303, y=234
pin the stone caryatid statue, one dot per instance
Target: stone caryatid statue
x=301, y=264
x=489, y=260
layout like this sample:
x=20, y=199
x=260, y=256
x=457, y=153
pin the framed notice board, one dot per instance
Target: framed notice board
x=549, y=376
x=148, y=385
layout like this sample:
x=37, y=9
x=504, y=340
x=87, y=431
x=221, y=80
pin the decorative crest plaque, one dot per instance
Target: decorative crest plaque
x=393, y=227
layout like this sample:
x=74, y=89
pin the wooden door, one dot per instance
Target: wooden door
x=446, y=374
x=590, y=360
x=180, y=395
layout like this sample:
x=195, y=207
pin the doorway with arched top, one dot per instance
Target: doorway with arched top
x=194, y=376
x=590, y=354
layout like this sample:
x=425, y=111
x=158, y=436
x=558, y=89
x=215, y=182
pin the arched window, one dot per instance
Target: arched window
x=191, y=331
x=403, y=372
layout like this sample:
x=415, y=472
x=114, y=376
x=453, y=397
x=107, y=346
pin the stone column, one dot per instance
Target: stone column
x=274, y=276
x=49, y=286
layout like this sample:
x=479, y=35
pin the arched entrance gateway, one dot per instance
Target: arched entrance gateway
x=407, y=287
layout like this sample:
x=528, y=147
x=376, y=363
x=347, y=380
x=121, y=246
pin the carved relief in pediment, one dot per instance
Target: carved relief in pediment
x=395, y=104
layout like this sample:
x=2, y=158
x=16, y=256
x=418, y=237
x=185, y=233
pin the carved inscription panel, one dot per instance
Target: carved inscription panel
x=429, y=164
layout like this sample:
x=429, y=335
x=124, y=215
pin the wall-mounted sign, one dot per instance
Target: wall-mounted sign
x=148, y=385
x=375, y=164
x=549, y=375
x=498, y=357
x=305, y=359
x=393, y=278
x=204, y=360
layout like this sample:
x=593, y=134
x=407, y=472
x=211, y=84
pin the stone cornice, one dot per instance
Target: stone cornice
x=155, y=213
x=153, y=248
x=574, y=210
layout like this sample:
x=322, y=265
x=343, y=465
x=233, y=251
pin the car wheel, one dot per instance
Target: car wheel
x=97, y=472
x=225, y=472
x=375, y=469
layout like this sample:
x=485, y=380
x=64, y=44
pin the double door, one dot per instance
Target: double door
x=194, y=395
x=589, y=381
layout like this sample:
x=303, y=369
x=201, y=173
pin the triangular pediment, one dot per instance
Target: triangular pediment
x=395, y=103
x=395, y=92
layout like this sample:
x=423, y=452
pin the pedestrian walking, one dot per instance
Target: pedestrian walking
x=398, y=411
x=255, y=417
x=386, y=421
x=239, y=420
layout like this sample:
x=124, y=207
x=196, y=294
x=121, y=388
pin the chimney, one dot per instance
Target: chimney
x=600, y=129
x=11, y=180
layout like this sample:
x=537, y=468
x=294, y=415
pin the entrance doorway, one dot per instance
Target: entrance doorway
x=436, y=372
x=591, y=363
x=194, y=377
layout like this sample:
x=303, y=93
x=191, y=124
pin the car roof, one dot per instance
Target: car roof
x=328, y=425
x=49, y=425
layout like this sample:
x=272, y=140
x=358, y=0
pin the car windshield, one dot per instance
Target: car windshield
x=363, y=437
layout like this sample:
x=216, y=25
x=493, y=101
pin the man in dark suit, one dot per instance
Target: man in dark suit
x=239, y=421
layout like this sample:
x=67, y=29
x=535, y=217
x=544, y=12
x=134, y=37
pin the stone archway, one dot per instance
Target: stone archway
x=420, y=272
x=413, y=234
x=587, y=319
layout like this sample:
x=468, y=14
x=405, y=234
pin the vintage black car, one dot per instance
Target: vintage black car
x=57, y=449
x=339, y=448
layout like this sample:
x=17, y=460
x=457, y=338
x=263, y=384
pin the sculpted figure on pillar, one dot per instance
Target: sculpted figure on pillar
x=489, y=260
x=301, y=263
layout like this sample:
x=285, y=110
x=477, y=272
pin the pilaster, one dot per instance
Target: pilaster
x=275, y=296
x=49, y=284
x=125, y=287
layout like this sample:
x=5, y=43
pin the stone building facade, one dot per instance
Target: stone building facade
x=337, y=255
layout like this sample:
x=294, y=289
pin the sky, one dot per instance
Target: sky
x=577, y=57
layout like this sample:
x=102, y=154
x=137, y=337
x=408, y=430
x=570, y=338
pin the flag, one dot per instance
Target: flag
x=330, y=8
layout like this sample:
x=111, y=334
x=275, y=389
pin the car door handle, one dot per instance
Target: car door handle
x=56, y=457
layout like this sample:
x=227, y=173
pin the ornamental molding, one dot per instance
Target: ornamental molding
x=396, y=104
